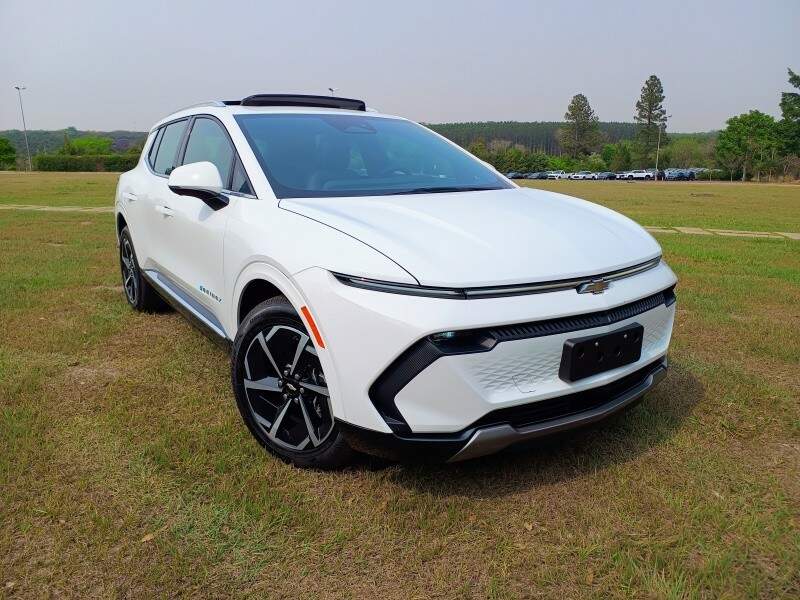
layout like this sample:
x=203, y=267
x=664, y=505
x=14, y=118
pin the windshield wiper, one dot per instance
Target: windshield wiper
x=441, y=189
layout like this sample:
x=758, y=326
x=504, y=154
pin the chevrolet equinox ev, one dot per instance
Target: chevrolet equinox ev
x=382, y=290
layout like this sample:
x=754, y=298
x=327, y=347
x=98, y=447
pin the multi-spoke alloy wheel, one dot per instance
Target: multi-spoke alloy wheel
x=138, y=292
x=286, y=389
x=130, y=279
x=281, y=389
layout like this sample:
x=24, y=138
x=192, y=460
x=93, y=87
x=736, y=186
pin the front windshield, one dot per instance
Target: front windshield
x=326, y=155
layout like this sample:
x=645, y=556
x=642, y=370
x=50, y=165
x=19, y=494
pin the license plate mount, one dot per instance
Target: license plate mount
x=586, y=356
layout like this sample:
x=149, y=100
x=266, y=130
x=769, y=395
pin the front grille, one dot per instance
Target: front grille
x=521, y=331
x=564, y=406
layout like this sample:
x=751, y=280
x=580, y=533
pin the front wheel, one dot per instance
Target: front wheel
x=281, y=389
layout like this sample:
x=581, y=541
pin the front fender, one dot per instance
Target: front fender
x=271, y=274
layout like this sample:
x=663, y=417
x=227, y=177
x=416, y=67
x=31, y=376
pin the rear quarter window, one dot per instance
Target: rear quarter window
x=168, y=147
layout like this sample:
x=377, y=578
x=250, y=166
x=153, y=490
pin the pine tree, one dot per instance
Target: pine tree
x=790, y=124
x=581, y=133
x=651, y=116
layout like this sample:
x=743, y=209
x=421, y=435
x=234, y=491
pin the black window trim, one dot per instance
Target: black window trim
x=181, y=152
x=150, y=156
x=159, y=135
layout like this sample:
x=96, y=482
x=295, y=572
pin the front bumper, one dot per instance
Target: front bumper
x=503, y=428
x=368, y=336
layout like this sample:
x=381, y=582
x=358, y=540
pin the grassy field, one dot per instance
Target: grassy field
x=58, y=189
x=755, y=207
x=125, y=469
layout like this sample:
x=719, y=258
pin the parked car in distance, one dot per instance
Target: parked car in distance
x=583, y=175
x=606, y=175
x=537, y=175
x=639, y=174
x=349, y=329
x=556, y=175
x=515, y=175
x=676, y=174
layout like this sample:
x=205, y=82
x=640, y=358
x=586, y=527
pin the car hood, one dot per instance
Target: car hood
x=494, y=237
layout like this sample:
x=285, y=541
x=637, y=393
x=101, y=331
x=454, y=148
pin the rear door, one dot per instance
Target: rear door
x=156, y=200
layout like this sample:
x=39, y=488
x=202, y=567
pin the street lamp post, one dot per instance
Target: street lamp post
x=19, y=89
x=658, y=145
x=332, y=90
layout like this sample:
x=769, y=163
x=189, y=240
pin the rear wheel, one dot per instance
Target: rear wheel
x=281, y=389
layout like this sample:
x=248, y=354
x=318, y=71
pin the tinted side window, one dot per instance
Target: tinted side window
x=151, y=157
x=208, y=141
x=240, y=183
x=170, y=140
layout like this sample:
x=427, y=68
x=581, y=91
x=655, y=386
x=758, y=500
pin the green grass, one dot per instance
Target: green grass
x=58, y=189
x=125, y=469
x=753, y=207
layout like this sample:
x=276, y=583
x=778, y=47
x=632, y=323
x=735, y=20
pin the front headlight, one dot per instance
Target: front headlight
x=399, y=288
x=476, y=293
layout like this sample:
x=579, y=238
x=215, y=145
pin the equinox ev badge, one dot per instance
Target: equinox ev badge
x=595, y=286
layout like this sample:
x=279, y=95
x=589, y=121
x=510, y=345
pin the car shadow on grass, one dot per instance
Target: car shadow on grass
x=616, y=440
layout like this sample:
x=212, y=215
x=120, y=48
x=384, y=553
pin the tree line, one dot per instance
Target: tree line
x=88, y=153
x=541, y=136
x=753, y=145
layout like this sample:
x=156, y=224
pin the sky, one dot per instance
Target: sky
x=110, y=64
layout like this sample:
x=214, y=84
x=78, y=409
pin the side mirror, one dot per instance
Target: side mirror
x=201, y=180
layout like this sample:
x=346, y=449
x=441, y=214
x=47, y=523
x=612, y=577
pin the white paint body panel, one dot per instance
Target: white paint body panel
x=467, y=239
x=496, y=237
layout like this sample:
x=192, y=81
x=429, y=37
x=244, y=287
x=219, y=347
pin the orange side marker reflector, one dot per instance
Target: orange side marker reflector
x=312, y=325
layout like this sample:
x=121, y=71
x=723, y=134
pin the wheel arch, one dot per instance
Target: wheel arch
x=265, y=277
x=121, y=223
x=254, y=293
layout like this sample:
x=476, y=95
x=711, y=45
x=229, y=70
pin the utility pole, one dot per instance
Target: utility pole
x=332, y=90
x=19, y=89
x=661, y=125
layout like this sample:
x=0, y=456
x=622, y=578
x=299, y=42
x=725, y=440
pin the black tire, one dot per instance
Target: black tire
x=282, y=412
x=137, y=290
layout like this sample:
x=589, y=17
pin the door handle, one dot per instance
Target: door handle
x=129, y=196
x=164, y=210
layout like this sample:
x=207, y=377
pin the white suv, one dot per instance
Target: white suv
x=639, y=174
x=382, y=290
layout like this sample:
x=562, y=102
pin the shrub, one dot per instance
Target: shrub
x=99, y=162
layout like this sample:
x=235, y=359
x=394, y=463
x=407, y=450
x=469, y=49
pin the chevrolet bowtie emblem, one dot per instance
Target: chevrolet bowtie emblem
x=595, y=286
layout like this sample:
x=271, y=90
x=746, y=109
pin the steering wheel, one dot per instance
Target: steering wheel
x=393, y=171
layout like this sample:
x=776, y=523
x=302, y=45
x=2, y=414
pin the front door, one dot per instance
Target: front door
x=194, y=233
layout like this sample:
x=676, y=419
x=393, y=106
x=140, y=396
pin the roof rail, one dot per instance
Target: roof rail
x=217, y=103
x=300, y=100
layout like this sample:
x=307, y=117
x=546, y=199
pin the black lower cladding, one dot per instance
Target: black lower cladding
x=425, y=351
x=439, y=447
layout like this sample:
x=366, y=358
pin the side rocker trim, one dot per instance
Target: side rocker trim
x=195, y=312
